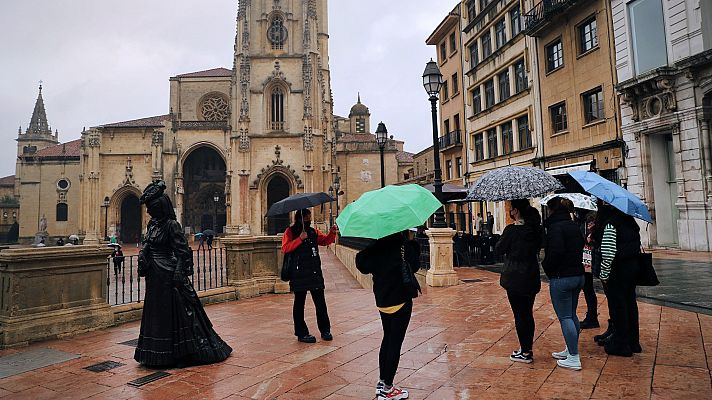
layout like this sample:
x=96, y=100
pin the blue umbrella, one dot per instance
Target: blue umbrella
x=612, y=194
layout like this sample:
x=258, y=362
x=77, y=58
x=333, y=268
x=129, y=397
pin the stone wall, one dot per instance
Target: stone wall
x=44, y=300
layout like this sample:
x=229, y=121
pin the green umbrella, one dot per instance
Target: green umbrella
x=385, y=211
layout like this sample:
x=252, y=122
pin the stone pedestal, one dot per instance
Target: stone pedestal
x=253, y=264
x=50, y=292
x=441, y=272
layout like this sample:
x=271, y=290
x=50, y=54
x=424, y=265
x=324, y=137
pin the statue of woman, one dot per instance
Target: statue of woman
x=175, y=331
x=43, y=223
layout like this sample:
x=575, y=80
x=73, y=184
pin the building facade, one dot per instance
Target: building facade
x=499, y=100
x=232, y=142
x=575, y=84
x=664, y=69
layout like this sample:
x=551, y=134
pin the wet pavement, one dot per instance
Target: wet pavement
x=457, y=347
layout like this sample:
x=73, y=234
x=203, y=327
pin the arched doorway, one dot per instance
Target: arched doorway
x=277, y=189
x=130, y=227
x=204, y=180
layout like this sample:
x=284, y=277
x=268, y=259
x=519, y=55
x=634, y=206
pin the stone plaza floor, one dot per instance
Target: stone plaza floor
x=457, y=347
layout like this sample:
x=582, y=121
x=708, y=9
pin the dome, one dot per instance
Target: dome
x=359, y=109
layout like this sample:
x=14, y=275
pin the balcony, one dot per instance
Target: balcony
x=450, y=139
x=542, y=14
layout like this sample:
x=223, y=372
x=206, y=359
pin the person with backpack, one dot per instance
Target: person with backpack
x=392, y=261
x=303, y=241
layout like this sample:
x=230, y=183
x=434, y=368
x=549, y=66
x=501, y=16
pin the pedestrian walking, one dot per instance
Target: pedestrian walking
x=117, y=257
x=175, y=330
x=564, y=268
x=617, y=238
x=201, y=239
x=384, y=261
x=209, y=241
x=490, y=223
x=479, y=224
x=589, y=294
x=303, y=241
x=520, y=244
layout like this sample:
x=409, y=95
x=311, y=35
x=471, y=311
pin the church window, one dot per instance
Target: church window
x=360, y=125
x=62, y=184
x=62, y=212
x=277, y=111
x=277, y=33
x=215, y=108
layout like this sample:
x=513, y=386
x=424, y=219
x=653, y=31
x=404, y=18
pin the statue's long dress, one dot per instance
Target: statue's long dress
x=174, y=326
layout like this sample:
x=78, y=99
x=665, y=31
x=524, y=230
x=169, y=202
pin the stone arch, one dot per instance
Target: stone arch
x=117, y=214
x=275, y=186
x=203, y=174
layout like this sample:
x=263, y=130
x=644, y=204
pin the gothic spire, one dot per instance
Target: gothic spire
x=38, y=122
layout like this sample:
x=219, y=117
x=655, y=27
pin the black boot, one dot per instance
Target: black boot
x=601, y=339
x=590, y=322
x=615, y=347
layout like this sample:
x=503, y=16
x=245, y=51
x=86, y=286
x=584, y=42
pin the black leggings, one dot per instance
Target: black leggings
x=394, y=327
x=523, y=309
x=322, y=315
x=589, y=293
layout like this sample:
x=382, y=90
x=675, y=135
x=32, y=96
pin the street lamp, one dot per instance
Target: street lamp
x=337, y=192
x=106, y=217
x=331, y=206
x=432, y=81
x=216, y=198
x=381, y=139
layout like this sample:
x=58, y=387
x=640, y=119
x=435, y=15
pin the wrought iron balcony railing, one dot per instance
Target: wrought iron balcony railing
x=450, y=139
x=539, y=16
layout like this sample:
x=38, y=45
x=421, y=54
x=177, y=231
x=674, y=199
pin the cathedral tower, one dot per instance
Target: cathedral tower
x=282, y=114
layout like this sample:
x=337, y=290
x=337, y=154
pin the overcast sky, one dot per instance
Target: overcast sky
x=110, y=60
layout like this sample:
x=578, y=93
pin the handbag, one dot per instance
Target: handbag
x=288, y=264
x=646, y=274
x=409, y=281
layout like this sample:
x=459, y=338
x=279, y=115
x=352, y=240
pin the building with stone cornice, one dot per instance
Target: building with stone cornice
x=233, y=142
x=664, y=69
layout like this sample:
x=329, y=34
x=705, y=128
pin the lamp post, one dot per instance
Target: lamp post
x=337, y=192
x=432, y=81
x=381, y=139
x=106, y=217
x=216, y=198
x=331, y=206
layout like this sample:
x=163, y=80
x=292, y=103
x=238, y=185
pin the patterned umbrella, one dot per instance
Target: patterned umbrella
x=511, y=183
x=580, y=200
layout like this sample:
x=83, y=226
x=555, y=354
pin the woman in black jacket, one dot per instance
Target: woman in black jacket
x=520, y=244
x=383, y=260
x=564, y=267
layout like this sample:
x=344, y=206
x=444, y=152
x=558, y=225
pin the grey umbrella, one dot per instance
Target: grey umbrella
x=511, y=183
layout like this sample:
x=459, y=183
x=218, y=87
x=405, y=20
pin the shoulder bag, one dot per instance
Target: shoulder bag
x=647, y=275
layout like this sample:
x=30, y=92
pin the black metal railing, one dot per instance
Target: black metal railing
x=125, y=286
x=541, y=14
x=450, y=139
x=424, y=243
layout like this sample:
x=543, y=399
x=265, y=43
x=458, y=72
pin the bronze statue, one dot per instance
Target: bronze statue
x=175, y=331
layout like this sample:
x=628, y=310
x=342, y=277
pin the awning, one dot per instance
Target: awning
x=565, y=169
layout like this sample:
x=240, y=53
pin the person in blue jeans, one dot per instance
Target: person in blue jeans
x=564, y=268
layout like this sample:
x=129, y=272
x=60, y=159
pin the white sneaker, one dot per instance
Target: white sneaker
x=561, y=355
x=394, y=393
x=379, y=386
x=571, y=362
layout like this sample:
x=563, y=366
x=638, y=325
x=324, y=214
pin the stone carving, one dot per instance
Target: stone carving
x=94, y=139
x=128, y=175
x=277, y=165
x=308, y=139
x=215, y=107
x=276, y=76
x=43, y=224
x=366, y=176
x=244, y=140
x=652, y=97
x=307, y=78
x=157, y=138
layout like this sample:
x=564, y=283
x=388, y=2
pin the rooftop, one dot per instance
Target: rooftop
x=7, y=181
x=69, y=149
x=208, y=73
x=148, y=122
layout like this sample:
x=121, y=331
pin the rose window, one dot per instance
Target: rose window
x=215, y=108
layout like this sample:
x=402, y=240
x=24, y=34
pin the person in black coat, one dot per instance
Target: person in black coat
x=394, y=300
x=302, y=241
x=519, y=244
x=563, y=265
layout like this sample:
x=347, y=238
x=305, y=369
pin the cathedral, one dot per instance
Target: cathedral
x=233, y=142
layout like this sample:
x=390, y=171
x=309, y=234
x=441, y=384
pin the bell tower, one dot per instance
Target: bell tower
x=38, y=134
x=281, y=96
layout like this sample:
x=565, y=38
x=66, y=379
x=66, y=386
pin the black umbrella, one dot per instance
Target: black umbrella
x=297, y=202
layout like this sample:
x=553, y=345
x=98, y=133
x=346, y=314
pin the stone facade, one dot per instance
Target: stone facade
x=232, y=142
x=499, y=100
x=665, y=87
x=575, y=75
